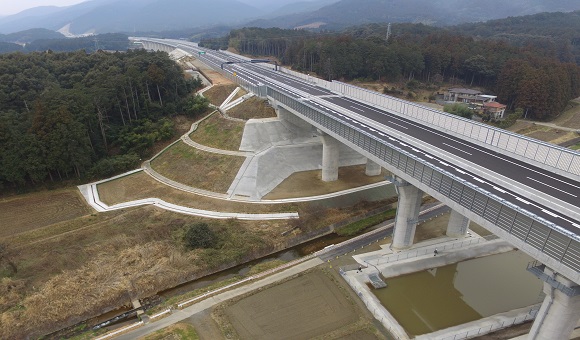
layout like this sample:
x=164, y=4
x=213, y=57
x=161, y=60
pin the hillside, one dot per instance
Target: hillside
x=442, y=12
x=559, y=32
x=102, y=16
x=30, y=35
x=133, y=15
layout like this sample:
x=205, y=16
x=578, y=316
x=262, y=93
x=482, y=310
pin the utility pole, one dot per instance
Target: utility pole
x=388, y=31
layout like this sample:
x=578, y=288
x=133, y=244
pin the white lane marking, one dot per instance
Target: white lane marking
x=382, y=134
x=356, y=108
x=429, y=156
x=373, y=130
x=391, y=138
x=443, y=163
x=522, y=200
x=460, y=171
x=414, y=150
x=403, y=144
x=499, y=189
x=478, y=179
x=535, y=180
x=394, y=116
x=456, y=148
x=550, y=213
x=399, y=125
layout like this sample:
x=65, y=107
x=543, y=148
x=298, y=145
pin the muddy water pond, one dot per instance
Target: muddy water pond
x=438, y=298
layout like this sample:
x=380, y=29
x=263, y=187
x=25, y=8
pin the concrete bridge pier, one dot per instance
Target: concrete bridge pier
x=458, y=225
x=560, y=310
x=330, y=154
x=372, y=169
x=407, y=214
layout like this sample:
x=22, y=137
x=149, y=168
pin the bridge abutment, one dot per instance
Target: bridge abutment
x=458, y=225
x=560, y=310
x=407, y=214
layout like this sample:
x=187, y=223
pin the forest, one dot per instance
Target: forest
x=536, y=76
x=109, y=41
x=77, y=115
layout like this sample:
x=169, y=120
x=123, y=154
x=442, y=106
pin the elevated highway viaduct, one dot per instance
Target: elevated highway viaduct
x=523, y=190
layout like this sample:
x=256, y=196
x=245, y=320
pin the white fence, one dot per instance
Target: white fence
x=565, y=160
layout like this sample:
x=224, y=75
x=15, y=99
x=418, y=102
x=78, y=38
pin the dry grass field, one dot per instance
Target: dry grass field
x=313, y=305
x=219, y=132
x=219, y=93
x=253, y=108
x=27, y=212
x=543, y=133
x=103, y=260
x=198, y=169
x=571, y=116
x=140, y=185
x=309, y=183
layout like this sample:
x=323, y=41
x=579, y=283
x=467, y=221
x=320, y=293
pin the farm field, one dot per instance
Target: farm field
x=27, y=212
x=308, y=306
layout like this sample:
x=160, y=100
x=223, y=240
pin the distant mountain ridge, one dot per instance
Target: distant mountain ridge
x=102, y=16
x=27, y=36
x=434, y=12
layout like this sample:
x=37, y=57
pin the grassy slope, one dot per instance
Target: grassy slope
x=198, y=169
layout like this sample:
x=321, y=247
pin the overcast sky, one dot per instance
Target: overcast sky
x=8, y=7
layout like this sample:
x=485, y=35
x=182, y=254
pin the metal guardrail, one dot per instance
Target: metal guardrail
x=429, y=250
x=493, y=327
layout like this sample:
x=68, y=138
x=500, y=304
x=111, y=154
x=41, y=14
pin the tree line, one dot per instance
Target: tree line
x=109, y=41
x=527, y=76
x=73, y=115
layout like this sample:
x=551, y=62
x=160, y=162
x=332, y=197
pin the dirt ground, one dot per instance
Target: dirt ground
x=204, y=325
x=253, y=108
x=302, y=308
x=23, y=213
x=309, y=183
x=140, y=185
x=219, y=93
x=215, y=77
x=178, y=331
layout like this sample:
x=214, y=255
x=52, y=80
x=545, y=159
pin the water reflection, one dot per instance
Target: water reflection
x=435, y=299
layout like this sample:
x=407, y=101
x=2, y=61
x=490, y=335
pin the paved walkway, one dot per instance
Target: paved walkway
x=178, y=315
x=552, y=125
